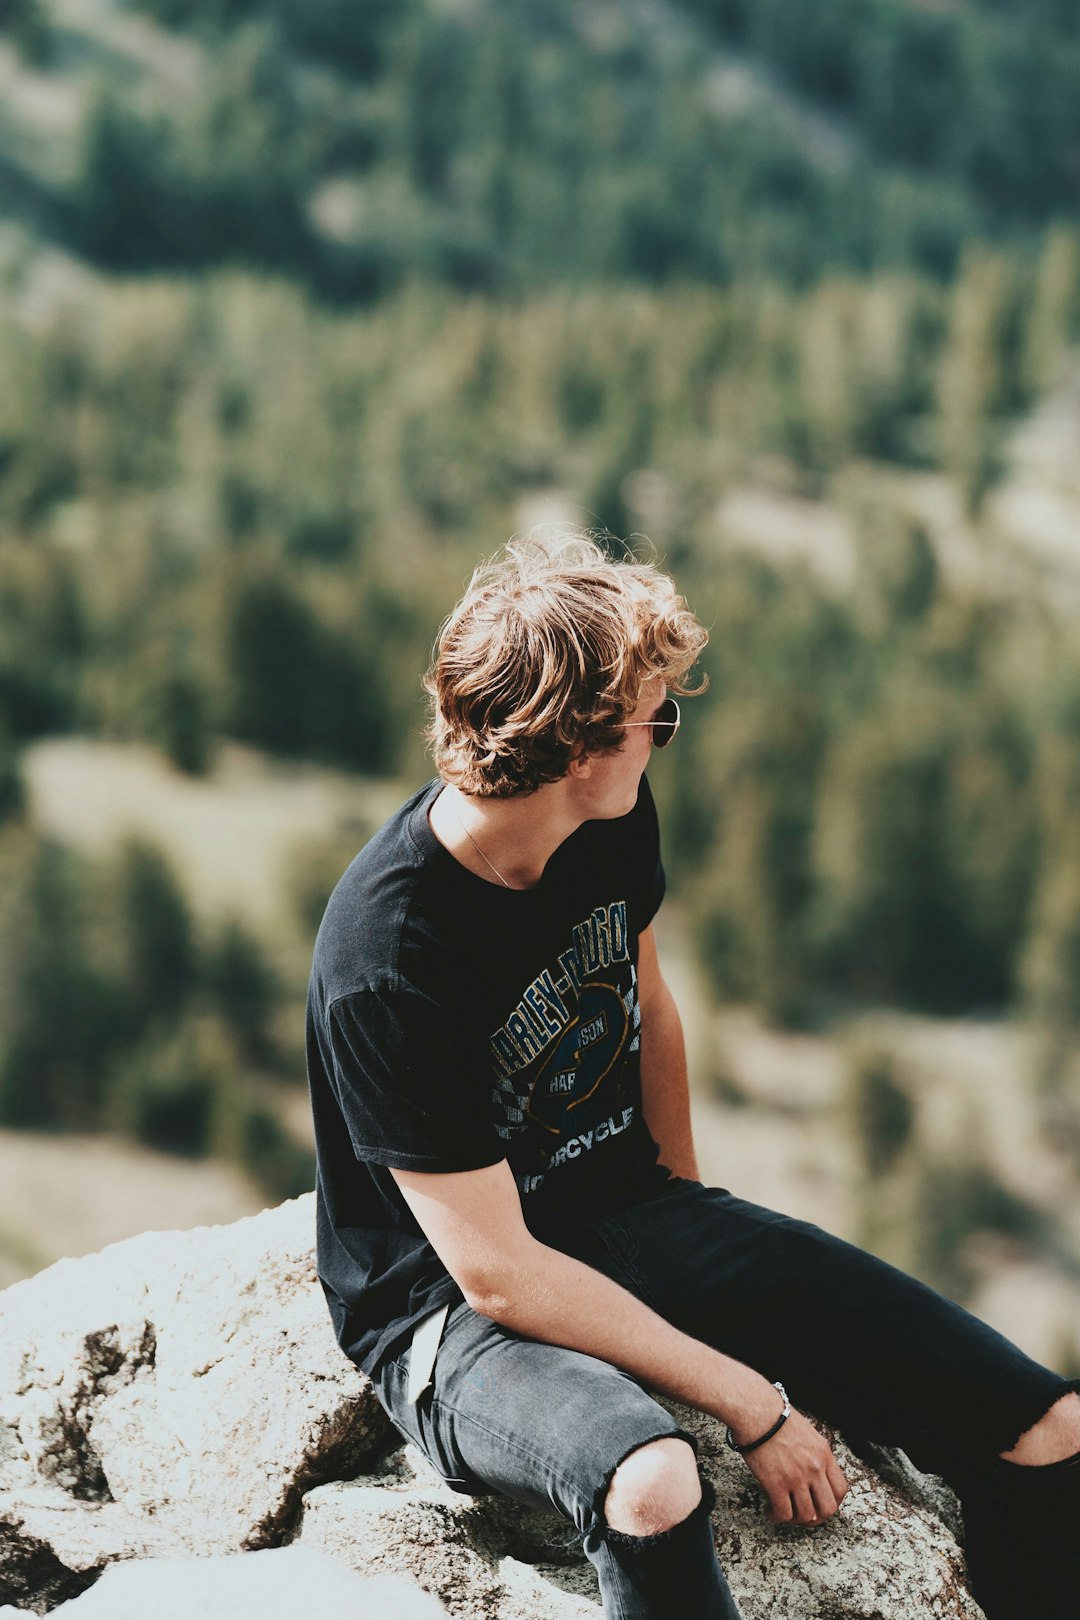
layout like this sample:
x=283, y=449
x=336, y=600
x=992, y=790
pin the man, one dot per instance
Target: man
x=512, y=1234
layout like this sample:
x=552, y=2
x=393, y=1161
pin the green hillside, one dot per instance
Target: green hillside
x=307, y=305
x=502, y=145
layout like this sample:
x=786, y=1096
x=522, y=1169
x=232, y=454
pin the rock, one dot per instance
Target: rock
x=175, y=1393
x=484, y=1556
x=182, y=1393
x=273, y=1585
x=890, y=1553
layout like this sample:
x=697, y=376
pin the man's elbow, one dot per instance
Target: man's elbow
x=496, y=1304
x=497, y=1288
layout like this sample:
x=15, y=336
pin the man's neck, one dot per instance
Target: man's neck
x=507, y=842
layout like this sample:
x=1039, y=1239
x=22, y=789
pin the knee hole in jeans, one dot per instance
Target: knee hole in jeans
x=654, y=1488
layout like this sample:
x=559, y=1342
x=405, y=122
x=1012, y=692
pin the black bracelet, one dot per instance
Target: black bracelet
x=752, y=1445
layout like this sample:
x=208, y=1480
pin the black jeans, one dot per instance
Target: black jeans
x=855, y=1341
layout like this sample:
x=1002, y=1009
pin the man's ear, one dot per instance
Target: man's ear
x=580, y=766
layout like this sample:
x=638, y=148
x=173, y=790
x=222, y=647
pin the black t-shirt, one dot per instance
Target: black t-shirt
x=453, y=1023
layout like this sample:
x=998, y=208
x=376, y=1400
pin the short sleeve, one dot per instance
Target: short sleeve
x=413, y=1088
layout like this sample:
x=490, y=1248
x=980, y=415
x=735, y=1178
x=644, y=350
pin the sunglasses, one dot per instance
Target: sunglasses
x=664, y=723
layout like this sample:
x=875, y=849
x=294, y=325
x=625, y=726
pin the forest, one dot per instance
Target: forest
x=502, y=146
x=350, y=294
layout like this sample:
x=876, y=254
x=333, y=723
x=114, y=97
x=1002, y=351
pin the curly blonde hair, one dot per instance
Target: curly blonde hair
x=545, y=657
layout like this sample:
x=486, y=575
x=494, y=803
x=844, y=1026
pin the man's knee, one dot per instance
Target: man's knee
x=1054, y=1437
x=654, y=1488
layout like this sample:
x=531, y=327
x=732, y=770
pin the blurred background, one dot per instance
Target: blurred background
x=306, y=306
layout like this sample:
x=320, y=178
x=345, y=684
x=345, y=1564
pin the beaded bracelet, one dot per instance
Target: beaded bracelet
x=752, y=1445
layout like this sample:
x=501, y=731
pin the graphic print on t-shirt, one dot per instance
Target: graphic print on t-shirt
x=559, y=1055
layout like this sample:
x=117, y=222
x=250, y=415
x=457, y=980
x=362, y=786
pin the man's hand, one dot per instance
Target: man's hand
x=798, y=1473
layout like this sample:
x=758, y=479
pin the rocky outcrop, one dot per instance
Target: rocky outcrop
x=278, y=1583
x=175, y=1393
x=181, y=1394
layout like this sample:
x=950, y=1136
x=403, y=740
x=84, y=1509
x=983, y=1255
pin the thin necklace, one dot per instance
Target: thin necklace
x=476, y=846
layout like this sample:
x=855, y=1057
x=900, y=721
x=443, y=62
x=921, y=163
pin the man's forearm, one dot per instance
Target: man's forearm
x=554, y=1298
x=473, y=1220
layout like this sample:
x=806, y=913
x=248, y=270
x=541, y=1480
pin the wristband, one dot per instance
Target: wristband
x=752, y=1445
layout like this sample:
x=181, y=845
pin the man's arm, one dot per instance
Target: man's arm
x=473, y=1220
x=665, y=1086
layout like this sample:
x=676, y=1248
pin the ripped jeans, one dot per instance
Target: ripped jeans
x=855, y=1342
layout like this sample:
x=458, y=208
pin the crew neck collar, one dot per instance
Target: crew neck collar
x=433, y=850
